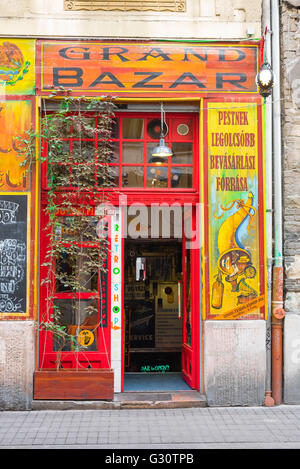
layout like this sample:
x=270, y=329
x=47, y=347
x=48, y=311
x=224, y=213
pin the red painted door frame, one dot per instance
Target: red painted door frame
x=190, y=360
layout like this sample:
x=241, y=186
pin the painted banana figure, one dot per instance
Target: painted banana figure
x=234, y=260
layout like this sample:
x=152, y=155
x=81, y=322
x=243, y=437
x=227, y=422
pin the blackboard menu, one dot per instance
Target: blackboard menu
x=13, y=253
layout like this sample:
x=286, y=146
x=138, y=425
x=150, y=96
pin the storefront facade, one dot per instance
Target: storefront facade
x=185, y=286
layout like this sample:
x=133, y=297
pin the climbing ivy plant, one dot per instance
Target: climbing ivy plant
x=77, y=184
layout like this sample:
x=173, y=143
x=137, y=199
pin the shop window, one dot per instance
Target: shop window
x=137, y=138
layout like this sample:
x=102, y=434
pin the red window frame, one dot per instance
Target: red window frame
x=172, y=137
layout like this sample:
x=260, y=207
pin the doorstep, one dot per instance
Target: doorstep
x=129, y=400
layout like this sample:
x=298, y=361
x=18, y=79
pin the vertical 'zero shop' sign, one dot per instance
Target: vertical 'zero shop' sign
x=235, y=275
x=13, y=253
x=147, y=69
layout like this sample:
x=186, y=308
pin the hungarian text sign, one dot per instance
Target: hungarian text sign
x=235, y=213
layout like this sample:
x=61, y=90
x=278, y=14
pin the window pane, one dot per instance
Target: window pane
x=150, y=148
x=78, y=271
x=83, y=151
x=84, y=127
x=111, y=131
x=108, y=152
x=182, y=153
x=60, y=125
x=84, y=175
x=108, y=176
x=133, y=128
x=115, y=128
x=133, y=152
x=157, y=177
x=59, y=151
x=182, y=177
x=79, y=229
x=115, y=147
x=77, y=316
x=114, y=172
x=58, y=175
x=133, y=176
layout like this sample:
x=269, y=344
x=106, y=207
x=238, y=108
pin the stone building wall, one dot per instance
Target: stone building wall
x=198, y=19
x=290, y=107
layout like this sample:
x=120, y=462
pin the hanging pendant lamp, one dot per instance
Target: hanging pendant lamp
x=161, y=152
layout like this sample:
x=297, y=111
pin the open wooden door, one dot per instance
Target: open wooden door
x=190, y=295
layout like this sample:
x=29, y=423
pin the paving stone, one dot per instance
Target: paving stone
x=215, y=427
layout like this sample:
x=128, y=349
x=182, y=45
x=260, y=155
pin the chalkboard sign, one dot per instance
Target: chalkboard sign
x=142, y=327
x=13, y=253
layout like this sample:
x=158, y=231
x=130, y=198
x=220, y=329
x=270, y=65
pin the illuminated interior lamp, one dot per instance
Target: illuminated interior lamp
x=161, y=152
x=265, y=80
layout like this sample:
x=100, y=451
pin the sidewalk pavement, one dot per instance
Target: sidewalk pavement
x=184, y=428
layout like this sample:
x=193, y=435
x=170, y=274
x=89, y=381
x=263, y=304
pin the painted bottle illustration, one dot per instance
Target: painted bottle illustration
x=217, y=292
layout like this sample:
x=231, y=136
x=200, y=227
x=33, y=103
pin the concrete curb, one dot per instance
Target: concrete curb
x=127, y=401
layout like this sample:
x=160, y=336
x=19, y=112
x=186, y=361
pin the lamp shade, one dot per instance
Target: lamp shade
x=161, y=152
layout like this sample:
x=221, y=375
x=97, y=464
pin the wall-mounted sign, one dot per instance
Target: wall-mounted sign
x=147, y=69
x=235, y=275
x=17, y=66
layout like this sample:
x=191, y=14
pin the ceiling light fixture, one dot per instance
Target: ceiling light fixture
x=161, y=152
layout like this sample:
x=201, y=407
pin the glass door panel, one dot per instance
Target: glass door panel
x=75, y=294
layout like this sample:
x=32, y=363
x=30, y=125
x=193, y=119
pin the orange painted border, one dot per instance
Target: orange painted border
x=32, y=248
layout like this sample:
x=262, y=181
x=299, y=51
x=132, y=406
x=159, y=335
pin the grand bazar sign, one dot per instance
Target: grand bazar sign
x=152, y=69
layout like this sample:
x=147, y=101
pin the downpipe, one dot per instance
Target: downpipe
x=275, y=272
x=277, y=334
x=277, y=290
x=266, y=22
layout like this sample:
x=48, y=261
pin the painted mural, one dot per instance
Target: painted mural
x=15, y=119
x=235, y=213
x=17, y=87
x=17, y=80
x=17, y=67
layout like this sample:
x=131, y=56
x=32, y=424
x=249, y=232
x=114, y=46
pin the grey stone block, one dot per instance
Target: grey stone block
x=16, y=364
x=235, y=362
x=292, y=359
